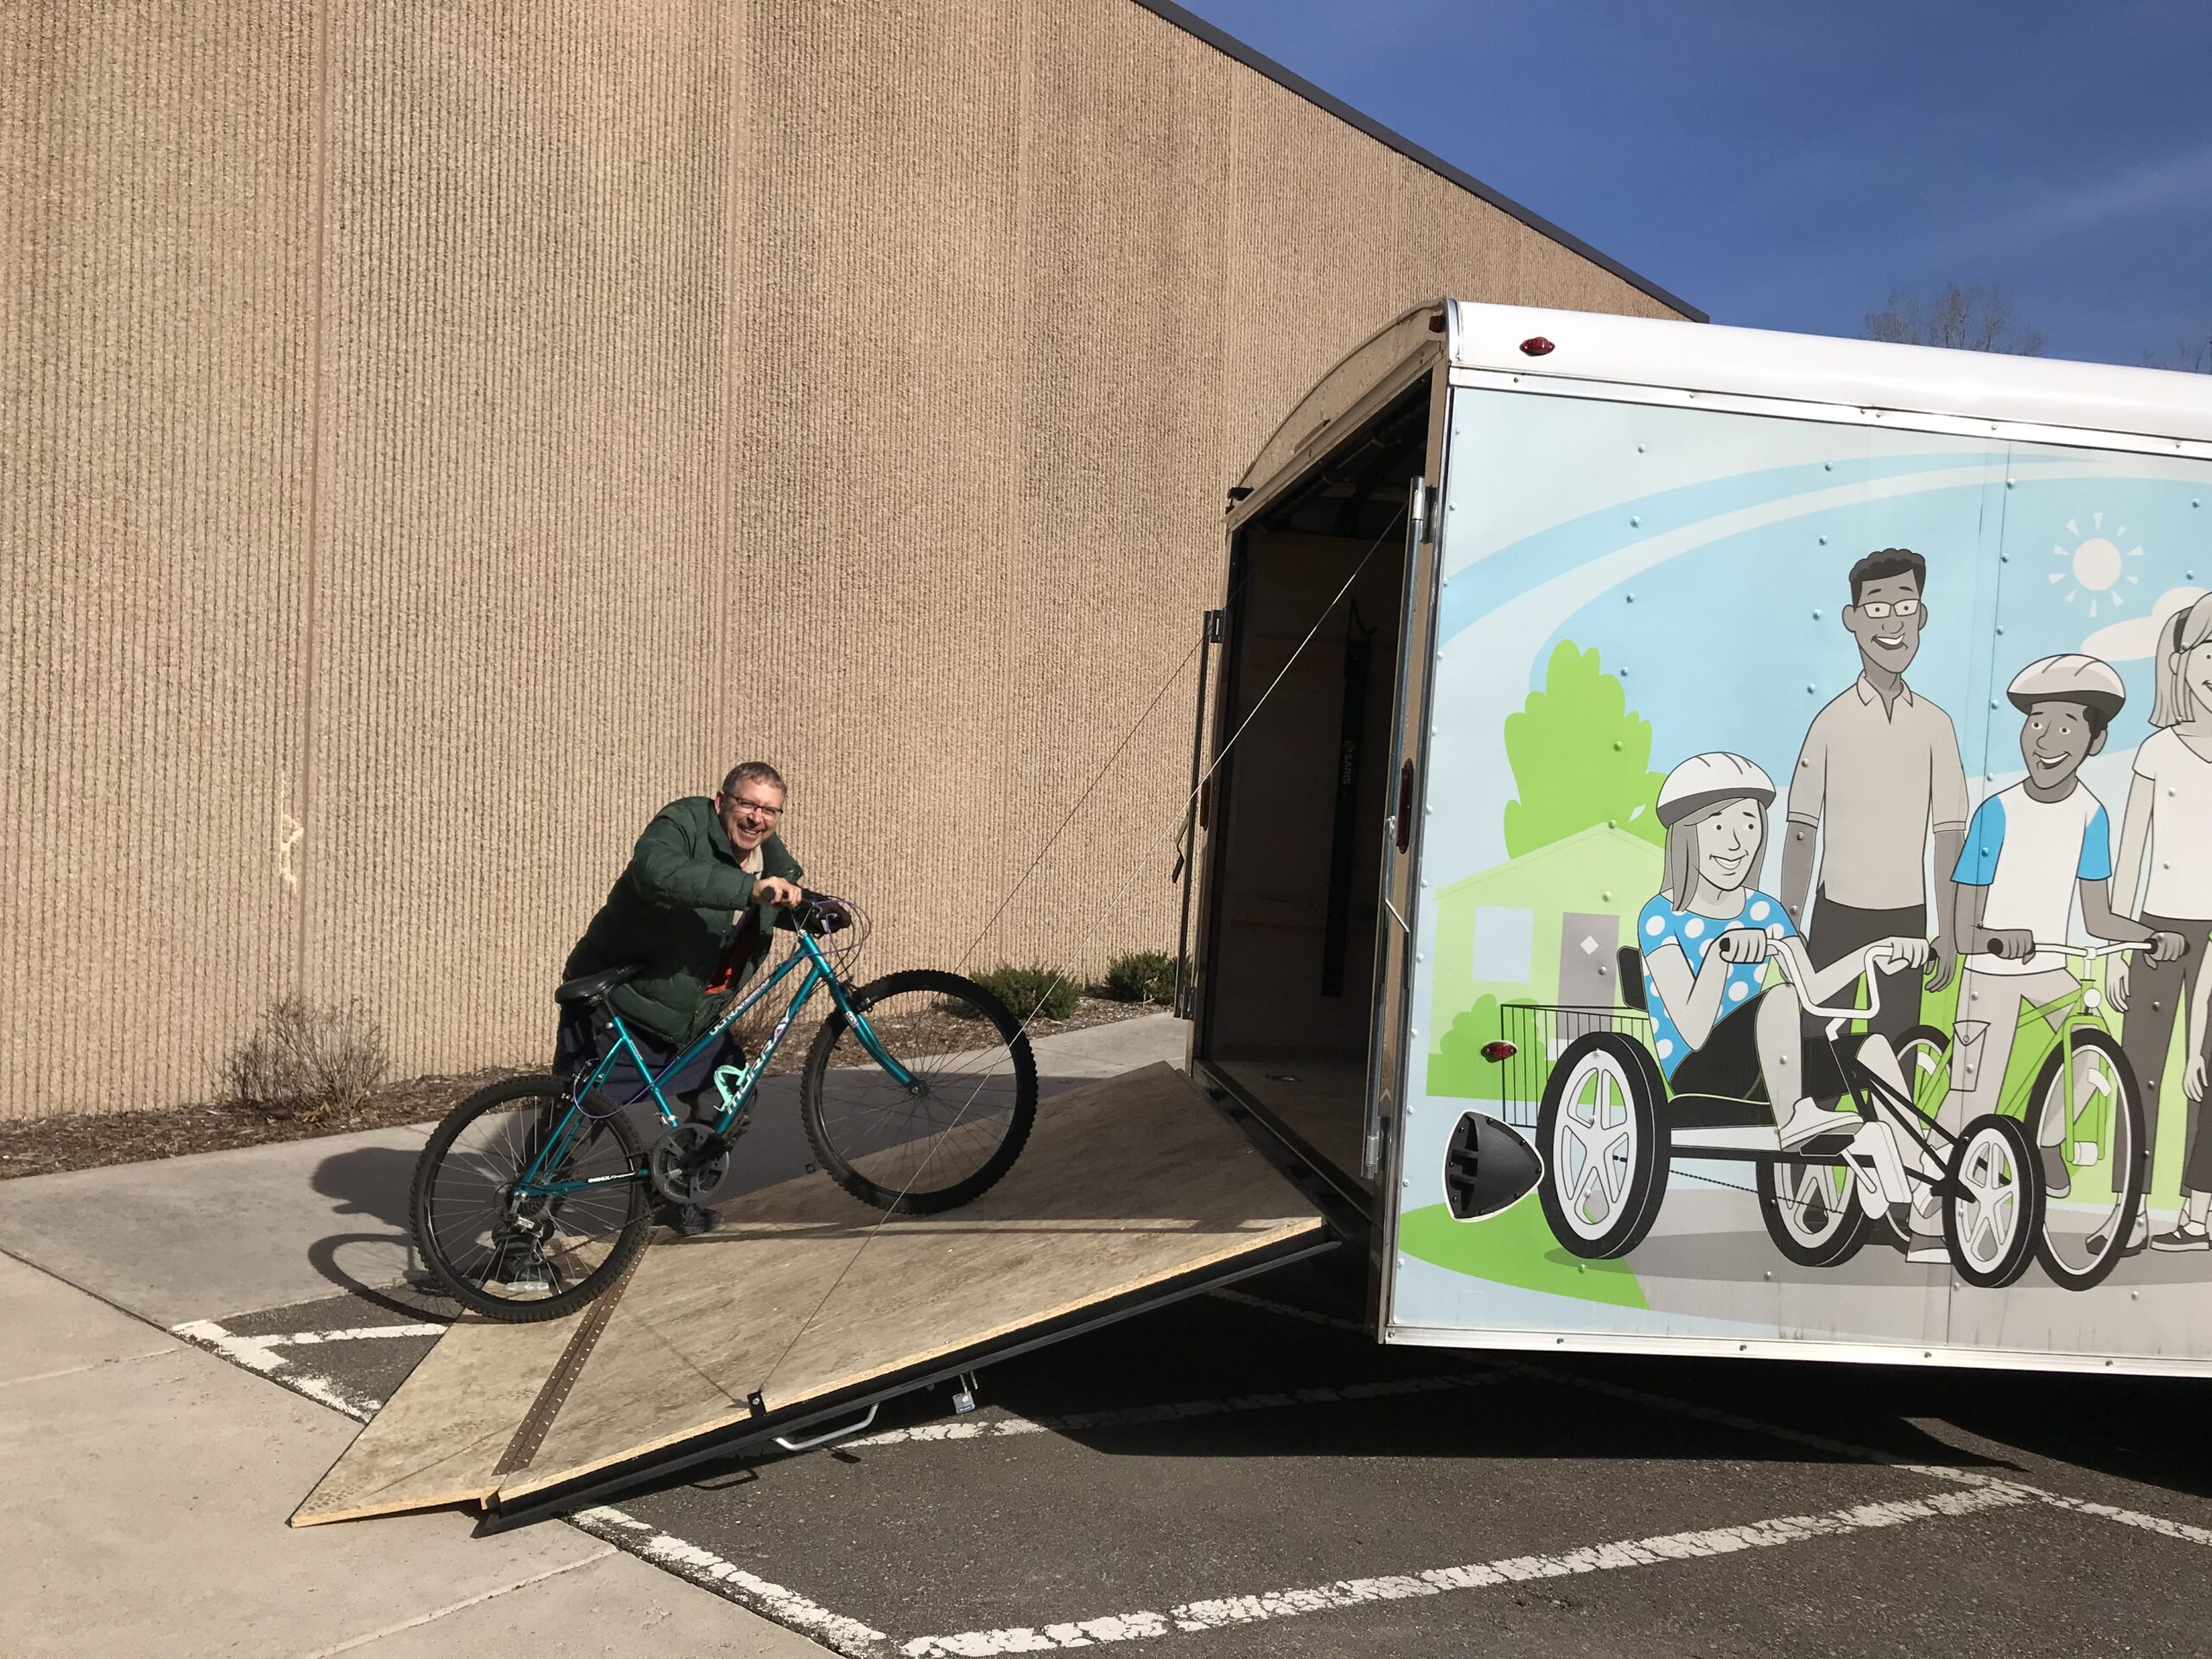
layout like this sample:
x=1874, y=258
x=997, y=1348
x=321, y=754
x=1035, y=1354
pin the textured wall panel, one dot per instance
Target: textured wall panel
x=511, y=638
x=156, y=211
x=1114, y=545
x=879, y=443
x=456, y=430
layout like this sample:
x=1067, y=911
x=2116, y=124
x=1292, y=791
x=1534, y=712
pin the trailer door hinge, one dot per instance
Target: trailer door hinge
x=1216, y=627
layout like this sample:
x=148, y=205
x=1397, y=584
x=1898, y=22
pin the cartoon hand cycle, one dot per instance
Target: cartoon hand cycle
x=2056, y=1174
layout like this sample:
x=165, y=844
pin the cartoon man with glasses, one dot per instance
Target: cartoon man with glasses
x=1879, y=775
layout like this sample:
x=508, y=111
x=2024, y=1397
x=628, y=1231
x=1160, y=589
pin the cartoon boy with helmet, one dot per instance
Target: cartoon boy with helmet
x=2030, y=850
x=1704, y=938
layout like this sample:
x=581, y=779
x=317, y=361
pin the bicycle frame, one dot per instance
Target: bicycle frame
x=2067, y=1015
x=735, y=1092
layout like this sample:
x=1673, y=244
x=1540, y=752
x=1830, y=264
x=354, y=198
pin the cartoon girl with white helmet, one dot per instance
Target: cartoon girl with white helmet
x=1706, y=937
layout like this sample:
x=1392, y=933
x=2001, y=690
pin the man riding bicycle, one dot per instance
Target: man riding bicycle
x=692, y=913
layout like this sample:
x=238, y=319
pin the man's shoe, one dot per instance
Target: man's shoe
x=2186, y=1236
x=687, y=1220
x=2056, y=1182
x=1807, y=1122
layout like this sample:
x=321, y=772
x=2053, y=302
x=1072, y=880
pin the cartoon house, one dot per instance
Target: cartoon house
x=1542, y=928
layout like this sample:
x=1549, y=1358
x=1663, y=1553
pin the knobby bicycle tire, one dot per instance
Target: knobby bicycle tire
x=468, y=1289
x=915, y=1198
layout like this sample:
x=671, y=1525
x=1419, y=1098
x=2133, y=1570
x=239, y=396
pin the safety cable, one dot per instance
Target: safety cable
x=1114, y=901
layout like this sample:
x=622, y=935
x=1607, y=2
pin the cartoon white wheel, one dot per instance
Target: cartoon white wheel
x=1605, y=1154
x=1993, y=1213
x=1812, y=1211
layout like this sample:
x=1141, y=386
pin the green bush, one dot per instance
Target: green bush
x=1034, y=993
x=1141, y=977
x=304, y=1061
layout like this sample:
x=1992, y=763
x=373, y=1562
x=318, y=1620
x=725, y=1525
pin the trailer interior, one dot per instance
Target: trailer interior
x=1288, y=946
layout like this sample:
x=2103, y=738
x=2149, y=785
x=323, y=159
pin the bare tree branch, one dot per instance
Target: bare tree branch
x=2191, y=356
x=1973, y=318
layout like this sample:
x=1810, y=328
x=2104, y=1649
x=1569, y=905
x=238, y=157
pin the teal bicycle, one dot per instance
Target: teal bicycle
x=535, y=1195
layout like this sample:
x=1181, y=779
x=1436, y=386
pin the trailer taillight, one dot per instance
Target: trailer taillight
x=1535, y=346
x=1499, y=1051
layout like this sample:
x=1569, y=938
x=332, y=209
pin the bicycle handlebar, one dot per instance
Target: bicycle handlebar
x=1797, y=968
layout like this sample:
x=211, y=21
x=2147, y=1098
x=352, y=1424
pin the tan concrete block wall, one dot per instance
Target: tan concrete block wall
x=435, y=436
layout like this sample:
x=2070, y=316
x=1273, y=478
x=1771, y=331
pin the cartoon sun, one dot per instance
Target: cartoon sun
x=2096, y=565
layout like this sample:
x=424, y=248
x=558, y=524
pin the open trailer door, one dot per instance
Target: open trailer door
x=804, y=1310
x=1309, y=865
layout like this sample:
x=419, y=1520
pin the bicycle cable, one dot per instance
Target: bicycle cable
x=1059, y=975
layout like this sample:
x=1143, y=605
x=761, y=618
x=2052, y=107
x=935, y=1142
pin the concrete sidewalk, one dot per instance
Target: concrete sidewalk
x=144, y=1490
x=145, y=1484
x=231, y=1232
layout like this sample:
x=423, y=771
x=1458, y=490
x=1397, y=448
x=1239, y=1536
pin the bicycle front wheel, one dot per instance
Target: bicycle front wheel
x=2086, y=1118
x=946, y=1131
x=501, y=1247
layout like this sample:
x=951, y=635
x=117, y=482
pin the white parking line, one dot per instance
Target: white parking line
x=1174, y=1412
x=257, y=1354
x=358, y=1333
x=1199, y=1616
x=709, y=1571
x=2179, y=1530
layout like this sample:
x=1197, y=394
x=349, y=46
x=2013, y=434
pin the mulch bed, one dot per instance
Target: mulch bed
x=47, y=1145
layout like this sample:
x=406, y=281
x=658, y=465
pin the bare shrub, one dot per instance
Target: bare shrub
x=304, y=1059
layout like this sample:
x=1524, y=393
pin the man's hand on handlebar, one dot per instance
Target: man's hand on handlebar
x=775, y=890
x=2168, y=947
x=2006, y=944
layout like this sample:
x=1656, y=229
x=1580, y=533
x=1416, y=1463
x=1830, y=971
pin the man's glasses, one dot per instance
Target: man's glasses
x=1880, y=610
x=756, y=809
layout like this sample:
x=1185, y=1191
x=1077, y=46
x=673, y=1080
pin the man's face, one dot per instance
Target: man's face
x=1886, y=620
x=2054, y=740
x=751, y=815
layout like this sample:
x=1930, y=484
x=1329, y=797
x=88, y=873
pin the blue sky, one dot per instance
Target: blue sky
x=1784, y=165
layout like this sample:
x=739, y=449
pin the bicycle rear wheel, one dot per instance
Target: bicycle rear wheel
x=949, y=1136
x=525, y=1257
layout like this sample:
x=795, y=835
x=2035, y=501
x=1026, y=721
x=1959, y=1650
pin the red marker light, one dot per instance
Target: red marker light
x=1535, y=346
x=1494, y=1053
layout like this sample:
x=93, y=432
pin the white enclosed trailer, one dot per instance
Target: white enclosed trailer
x=1558, y=646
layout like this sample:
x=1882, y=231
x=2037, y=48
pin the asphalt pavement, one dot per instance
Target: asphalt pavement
x=1242, y=1472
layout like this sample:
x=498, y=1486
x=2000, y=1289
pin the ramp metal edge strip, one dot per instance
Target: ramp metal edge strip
x=735, y=1441
x=553, y=1394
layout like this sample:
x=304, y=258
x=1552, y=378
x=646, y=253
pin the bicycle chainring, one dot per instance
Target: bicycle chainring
x=689, y=1165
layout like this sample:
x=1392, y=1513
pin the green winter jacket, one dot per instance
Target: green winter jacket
x=672, y=912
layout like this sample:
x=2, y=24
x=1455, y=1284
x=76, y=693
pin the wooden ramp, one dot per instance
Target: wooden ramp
x=1130, y=1190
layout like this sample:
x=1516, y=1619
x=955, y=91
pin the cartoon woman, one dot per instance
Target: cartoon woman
x=1705, y=937
x=2169, y=808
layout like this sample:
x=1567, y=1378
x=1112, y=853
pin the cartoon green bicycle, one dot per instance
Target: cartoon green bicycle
x=2068, y=1086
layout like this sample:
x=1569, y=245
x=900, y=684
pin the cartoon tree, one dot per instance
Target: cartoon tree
x=1579, y=757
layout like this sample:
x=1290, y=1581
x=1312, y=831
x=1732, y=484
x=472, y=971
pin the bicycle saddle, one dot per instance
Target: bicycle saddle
x=593, y=988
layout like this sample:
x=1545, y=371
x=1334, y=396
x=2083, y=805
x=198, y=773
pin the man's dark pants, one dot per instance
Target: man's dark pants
x=1838, y=930
x=578, y=1044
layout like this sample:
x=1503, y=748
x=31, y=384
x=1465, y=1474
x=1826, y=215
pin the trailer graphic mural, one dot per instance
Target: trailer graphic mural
x=1817, y=879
